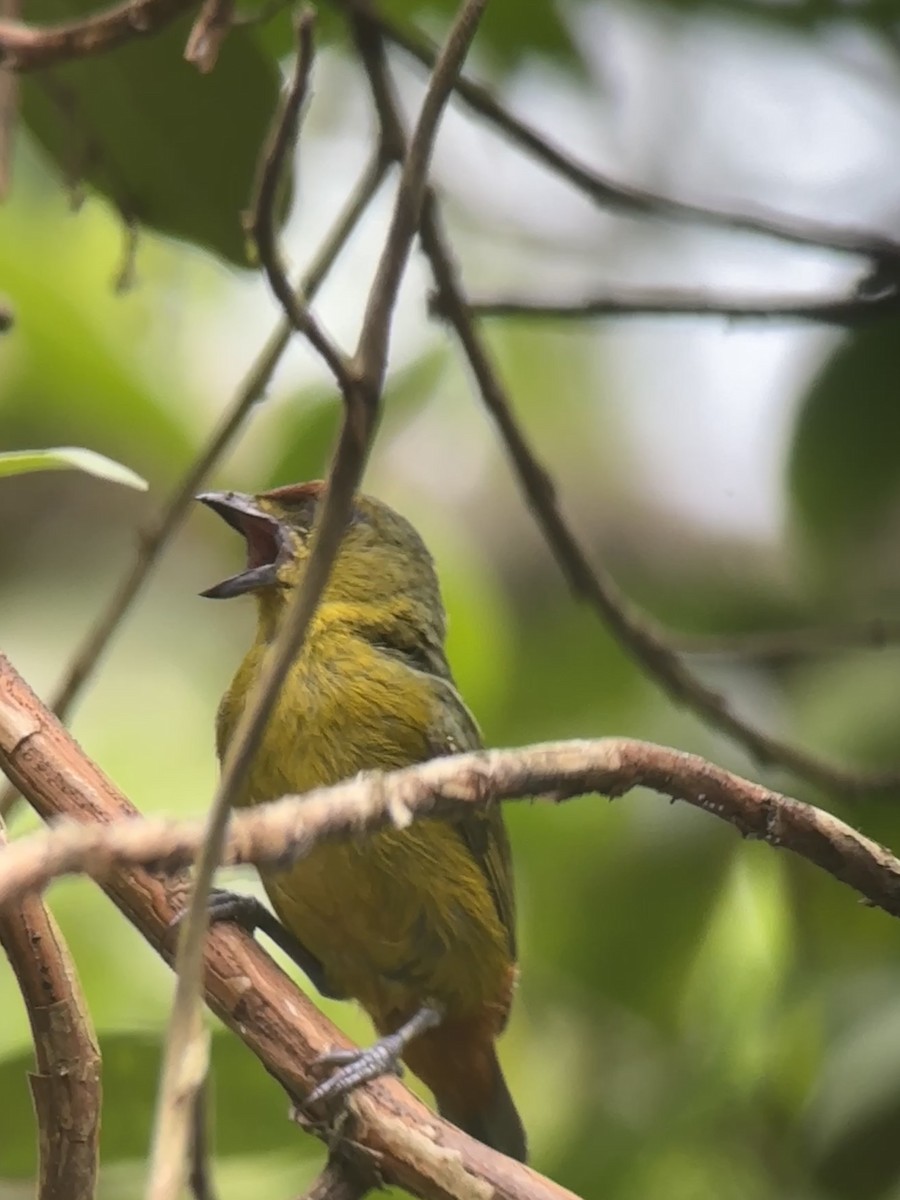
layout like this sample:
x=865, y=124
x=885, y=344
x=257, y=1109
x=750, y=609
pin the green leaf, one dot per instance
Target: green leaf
x=844, y=469
x=66, y=458
x=249, y=1113
x=169, y=147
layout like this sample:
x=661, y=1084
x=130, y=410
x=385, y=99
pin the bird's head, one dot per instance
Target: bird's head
x=382, y=561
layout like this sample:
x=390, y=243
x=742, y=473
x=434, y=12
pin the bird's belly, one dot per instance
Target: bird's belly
x=398, y=918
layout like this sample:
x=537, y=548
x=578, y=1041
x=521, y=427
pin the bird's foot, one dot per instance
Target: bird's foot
x=248, y=912
x=355, y=1067
x=251, y=914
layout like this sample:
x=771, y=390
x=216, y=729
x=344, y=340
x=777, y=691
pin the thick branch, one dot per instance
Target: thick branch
x=287, y=830
x=66, y=1087
x=396, y=1134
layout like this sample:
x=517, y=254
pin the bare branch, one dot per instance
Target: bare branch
x=289, y=828
x=611, y=193
x=337, y=1181
x=66, y=1089
x=396, y=1135
x=262, y=220
x=214, y=21
x=199, y=1171
x=647, y=645
x=855, y=308
x=371, y=352
x=30, y=48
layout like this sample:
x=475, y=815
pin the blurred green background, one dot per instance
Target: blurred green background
x=697, y=1016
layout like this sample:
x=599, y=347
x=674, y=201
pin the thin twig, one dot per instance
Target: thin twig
x=371, y=352
x=337, y=1181
x=154, y=539
x=855, y=308
x=261, y=222
x=647, y=645
x=783, y=645
x=210, y=29
x=395, y=1134
x=66, y=1088
x=185, y=1058
x=611, y=193
x=9, y=107
x=200, y=1180
x=31, y=48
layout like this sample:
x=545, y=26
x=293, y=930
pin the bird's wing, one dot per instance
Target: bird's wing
x=483, y=832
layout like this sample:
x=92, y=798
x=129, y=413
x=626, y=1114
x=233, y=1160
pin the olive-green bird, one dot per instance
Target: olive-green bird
x=418, y=924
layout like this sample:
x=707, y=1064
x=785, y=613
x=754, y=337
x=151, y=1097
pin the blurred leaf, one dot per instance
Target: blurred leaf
x=854, y=1113
x=735, y=987
x=844, y=467
x=64, y=458
x=71, y=369
x=169, y=147
x=249, y=1114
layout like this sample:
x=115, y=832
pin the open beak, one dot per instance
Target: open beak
x=265, y=543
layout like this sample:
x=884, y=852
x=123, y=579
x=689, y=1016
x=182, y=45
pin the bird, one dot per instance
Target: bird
x=417, y=925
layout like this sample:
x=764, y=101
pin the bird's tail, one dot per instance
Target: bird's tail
x=458, y=1061
x=495, y=1121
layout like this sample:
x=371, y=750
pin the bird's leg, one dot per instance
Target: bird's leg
x=355, y=1067
x=251, y=914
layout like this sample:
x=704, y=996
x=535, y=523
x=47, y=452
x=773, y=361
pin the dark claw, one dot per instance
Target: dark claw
x=229, y=906
x=355, y=1067
x=362, y=1066
x=251, y=914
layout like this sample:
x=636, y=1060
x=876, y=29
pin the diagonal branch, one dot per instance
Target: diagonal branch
x=186, y=1054
x=647, y=645
x=396, y=1135
x=360, y=380
x=66, y=1089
